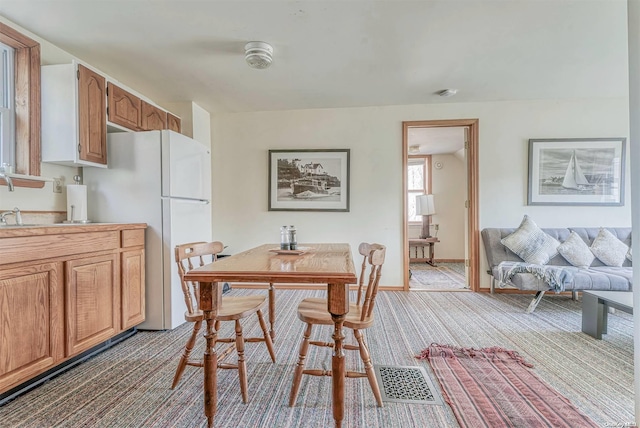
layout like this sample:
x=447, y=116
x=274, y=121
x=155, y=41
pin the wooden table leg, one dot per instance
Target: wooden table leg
x=210, y=298
x=432, y=253
x=338, y=306
x=272, y=310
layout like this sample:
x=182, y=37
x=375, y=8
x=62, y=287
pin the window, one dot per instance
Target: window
x=26, y=96
x=7, y=105
x=417, y=184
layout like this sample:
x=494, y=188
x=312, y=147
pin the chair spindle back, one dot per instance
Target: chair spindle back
x=188, y=257
x=374, y=255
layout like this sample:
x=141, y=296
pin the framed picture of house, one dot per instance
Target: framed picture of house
x=309, y=180
x=577, y=171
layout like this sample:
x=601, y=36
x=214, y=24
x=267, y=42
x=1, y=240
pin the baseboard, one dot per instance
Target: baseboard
x=281, y=286
x=38, y=380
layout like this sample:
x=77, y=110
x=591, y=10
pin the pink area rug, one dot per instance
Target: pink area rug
x=494, y=387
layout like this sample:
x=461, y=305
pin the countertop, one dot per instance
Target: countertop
x=11, y=231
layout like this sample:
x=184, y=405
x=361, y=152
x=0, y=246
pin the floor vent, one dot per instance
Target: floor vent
x=406, y=384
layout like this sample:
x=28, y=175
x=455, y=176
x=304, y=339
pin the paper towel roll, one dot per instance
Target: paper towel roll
x=76, y=202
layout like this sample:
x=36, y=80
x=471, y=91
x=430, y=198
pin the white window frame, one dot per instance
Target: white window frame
x=7, y=105
x=424, y=160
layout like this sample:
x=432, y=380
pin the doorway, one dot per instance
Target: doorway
x=466, y=229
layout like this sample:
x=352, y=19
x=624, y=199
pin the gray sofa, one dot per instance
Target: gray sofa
x=597, y=277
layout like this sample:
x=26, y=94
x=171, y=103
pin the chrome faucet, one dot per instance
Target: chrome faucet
x=16, y=212
x=8, y=180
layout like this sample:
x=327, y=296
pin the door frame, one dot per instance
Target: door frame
x=473, y=240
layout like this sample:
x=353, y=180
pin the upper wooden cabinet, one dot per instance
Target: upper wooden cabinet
x=174, y=123
x=130, y=111
x=153, y=118
x=74, y=120
x=75, y=114
x=92, y=116
x=125, y=109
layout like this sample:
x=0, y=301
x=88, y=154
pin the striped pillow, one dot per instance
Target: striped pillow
x=531, y=244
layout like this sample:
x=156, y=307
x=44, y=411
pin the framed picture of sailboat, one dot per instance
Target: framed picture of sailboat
x=309, y=180
x=577, y=171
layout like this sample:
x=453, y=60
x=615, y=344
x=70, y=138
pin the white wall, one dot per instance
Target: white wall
x=40, y=199
x=195, y=121
x=374, y=135
x=448, y=186
x=634, y=155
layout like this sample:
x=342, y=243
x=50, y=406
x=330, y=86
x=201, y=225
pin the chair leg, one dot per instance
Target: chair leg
x=242, y=366
x=267, y=336
x=368, y=366
x=187, y=352
x=297, y=374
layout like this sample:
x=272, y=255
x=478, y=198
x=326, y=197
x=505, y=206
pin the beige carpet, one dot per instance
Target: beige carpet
x=128, y=386
x=444, y=276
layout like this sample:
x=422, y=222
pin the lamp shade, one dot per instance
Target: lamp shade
x=425, y=205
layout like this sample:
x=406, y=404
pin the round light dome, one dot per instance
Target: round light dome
x=258, y=54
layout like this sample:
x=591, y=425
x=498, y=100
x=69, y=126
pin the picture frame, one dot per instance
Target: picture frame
x=309, y=180
x=577, y=171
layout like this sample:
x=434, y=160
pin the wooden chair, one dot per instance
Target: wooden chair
x=314, y=311
x=197, y=254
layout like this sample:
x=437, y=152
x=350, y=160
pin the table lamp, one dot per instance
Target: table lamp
x=425, y=208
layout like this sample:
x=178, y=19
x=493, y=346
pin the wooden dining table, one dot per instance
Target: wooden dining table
x=328, y=264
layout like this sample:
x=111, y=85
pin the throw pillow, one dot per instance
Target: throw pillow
x=531, y=244
x=630, y=255
x=610, y=250
x=576, y=251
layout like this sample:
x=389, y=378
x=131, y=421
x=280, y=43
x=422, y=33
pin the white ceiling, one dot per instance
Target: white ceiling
x=435, y=141
x=342, y=53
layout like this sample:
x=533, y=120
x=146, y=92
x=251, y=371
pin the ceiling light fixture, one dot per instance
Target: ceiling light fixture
x=447, y=92
x=258, y=54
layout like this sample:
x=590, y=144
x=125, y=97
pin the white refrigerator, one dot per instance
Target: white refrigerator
x=161, y=178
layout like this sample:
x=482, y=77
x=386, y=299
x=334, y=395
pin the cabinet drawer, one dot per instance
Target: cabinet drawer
x=132, y=238
x=27, y=248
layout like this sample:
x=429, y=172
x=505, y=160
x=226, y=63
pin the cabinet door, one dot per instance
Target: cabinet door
x=92, y=296
x=124, y=108
x=132, y=288
x=174, y=123
x=31, y=322
x=92, y=116
x=153, y=118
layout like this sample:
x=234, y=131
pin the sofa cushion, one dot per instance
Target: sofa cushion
x=531, y=244
x=595, y=278
x=576, y=251
x=609, y=249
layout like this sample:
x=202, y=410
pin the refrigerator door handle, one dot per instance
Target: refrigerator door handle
x=195, y=201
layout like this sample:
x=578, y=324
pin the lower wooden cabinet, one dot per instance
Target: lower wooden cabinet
x=92, y=298
x=132, y=288
x=54, y=305
x=31, y=321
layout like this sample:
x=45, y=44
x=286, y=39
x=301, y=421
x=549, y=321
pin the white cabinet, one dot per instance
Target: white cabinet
x=74, y=128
